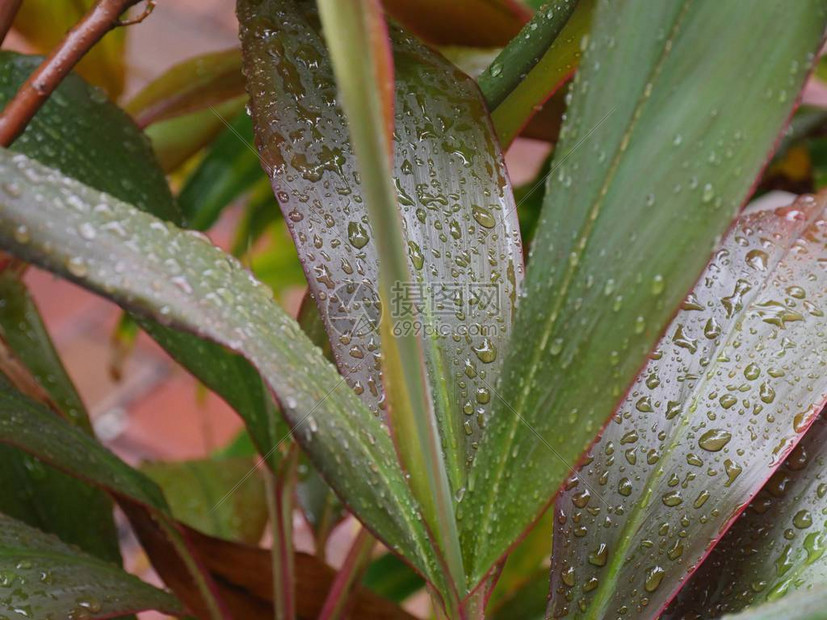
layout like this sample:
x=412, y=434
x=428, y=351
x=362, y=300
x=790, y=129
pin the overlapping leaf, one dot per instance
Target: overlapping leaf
x=643, y=184
x=137, y=260
x=733, y=385
x=42, y=577
x=777, y=545
x=455, y=201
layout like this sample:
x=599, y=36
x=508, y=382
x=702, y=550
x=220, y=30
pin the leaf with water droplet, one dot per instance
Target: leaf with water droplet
x=614, y=234
x=717, y=437
x=43, y=577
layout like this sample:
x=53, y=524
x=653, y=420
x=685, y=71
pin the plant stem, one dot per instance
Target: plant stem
x=280, y=505
x=348, y=576
x=102, y=18
x=8, y=10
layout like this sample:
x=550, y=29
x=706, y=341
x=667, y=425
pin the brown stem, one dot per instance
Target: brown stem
x=102, y=18
x=8, y=9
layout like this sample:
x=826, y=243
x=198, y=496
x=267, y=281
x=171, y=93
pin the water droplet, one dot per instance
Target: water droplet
x=714, y=440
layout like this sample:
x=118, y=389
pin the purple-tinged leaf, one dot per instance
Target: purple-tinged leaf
x=733, y=385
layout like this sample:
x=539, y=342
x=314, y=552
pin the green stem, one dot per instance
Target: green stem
x=524, y=51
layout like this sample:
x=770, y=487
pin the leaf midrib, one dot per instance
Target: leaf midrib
x=607, y=587
x=572, y=269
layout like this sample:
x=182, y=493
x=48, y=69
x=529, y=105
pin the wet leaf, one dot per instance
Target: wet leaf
x=102, y=66
x=775, y=547
x=461, y=229
x=516, y=103
x=802, y=605
x=155, y=269
x=642, y=187
x=189, y=86
x=36, y=493
x=42, y=577
x=731, y=388
x=524, y=51
x=475, y=23
x=220, y=497
x=97, y=143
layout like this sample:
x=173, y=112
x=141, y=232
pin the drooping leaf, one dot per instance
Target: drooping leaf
x=210, y=295
x=102, y=66
x=220, y=497
x=643, y=185
x=775, y=547
x=36, y=493
x=97, y=143
x=43, y=577
x=249, y=570
x=525, y=95
x=461, y=228
x=474, y=23
x=189, y=86
x=731, y=388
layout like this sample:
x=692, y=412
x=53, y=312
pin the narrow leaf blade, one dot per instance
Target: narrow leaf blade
x=642, y=185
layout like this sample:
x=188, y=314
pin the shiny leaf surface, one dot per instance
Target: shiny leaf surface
x=97, y=143
x=42, y=577
x=730, y=389
x=461, y=229
x=775, y=547
x=643, y=185
x=210, y=295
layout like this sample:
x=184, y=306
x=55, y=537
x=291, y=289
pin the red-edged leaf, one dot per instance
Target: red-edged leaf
x=775, y=547
x=731, y=388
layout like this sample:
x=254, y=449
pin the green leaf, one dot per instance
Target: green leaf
x=230, y=168
x=43, y=577
x=36, y=493
x=102, y=66
x=177, y=277
x=731, y=388
x=461, y=228
x=391, y=578
x=220, y=497
x=528, y=602
x=361, y=56
x=803, y=605
x=189, y=86
x=776, y=546
x=642, y=186
x=524, y=51
x=522, y=94
x=97, y=143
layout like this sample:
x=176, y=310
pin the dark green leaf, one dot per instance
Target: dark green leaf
x=777, y=544
x=729, y=391
x=524, y=51
x=391, y=578
x=230, y=168
x=178, y=277
x=79, y=132
x=220, y=497
x=42, y=577
x=643, y=184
